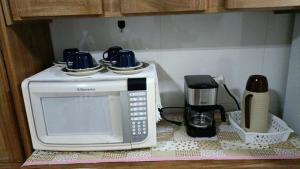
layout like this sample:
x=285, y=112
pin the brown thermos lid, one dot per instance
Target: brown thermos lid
x=257, y=83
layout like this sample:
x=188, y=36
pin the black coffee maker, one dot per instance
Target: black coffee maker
x=201, y=105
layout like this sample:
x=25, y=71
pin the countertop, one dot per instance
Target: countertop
x=290, y=164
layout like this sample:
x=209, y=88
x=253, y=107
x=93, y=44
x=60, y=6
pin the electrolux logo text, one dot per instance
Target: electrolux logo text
x=85, y=89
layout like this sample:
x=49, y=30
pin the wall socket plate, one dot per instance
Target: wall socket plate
x=219, y=79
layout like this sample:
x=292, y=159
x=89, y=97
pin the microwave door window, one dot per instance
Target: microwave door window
x=77, y=115
x=82, y=117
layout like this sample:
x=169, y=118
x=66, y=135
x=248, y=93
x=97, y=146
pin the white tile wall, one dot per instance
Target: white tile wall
x=233, y=44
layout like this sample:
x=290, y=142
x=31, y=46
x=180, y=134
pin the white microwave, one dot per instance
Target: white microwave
x=97, y=112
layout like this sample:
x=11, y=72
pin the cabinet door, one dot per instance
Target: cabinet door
x=252, y=4
x=161, y=6
x=49, y=8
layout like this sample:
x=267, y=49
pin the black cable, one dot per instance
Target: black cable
x=161, y=110
x=236, y=102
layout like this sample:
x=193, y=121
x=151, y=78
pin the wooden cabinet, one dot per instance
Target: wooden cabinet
x=161, y=6
x=16, y=10
x=25, y=49
x=3, y=149
x=54, y=8
x=256, y=4
x=10, y=144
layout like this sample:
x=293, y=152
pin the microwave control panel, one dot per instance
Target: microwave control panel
x=137, y=95
x=138, y=115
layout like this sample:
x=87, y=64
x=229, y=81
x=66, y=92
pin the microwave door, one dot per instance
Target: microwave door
x=79, y=113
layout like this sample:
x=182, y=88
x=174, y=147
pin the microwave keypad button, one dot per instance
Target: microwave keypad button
x=142, y=118
x=141, y=98
x=135, y=118
x=141, y=103
x=140, y=93
x=142, y=108
x=133, y=99
x=134, y=104
x=133, y=94
x=138, y=109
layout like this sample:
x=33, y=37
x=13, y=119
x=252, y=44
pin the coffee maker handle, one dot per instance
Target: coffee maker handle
x=222, y=111
x=248, y=99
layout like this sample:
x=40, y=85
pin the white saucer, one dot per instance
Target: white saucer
x=83, y=70
x=82, y=73
x=129, y=72
x=105, y=61
x=139, y=65
x=59, y=64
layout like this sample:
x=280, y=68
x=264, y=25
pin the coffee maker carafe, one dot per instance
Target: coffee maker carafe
x=201, y=104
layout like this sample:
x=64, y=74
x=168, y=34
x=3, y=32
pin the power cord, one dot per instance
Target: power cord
x=230, y=94
x=161, y=111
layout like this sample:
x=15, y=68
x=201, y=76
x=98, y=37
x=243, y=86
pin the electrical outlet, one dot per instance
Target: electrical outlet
x=220, y=79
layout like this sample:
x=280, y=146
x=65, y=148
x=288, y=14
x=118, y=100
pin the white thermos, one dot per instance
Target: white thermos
x=255, y=105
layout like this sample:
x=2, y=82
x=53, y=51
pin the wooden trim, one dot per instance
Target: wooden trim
x=111, y=8
x=6, y=11
x=251, y=4
x=33, y=8
x=27, y=49
x=214, y=6
x=13, y=9
x=218, y=164
x=161, y=6
x=4, y=156
x=10, y=165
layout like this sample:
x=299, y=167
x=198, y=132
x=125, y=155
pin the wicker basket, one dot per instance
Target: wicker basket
x=278, y=130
